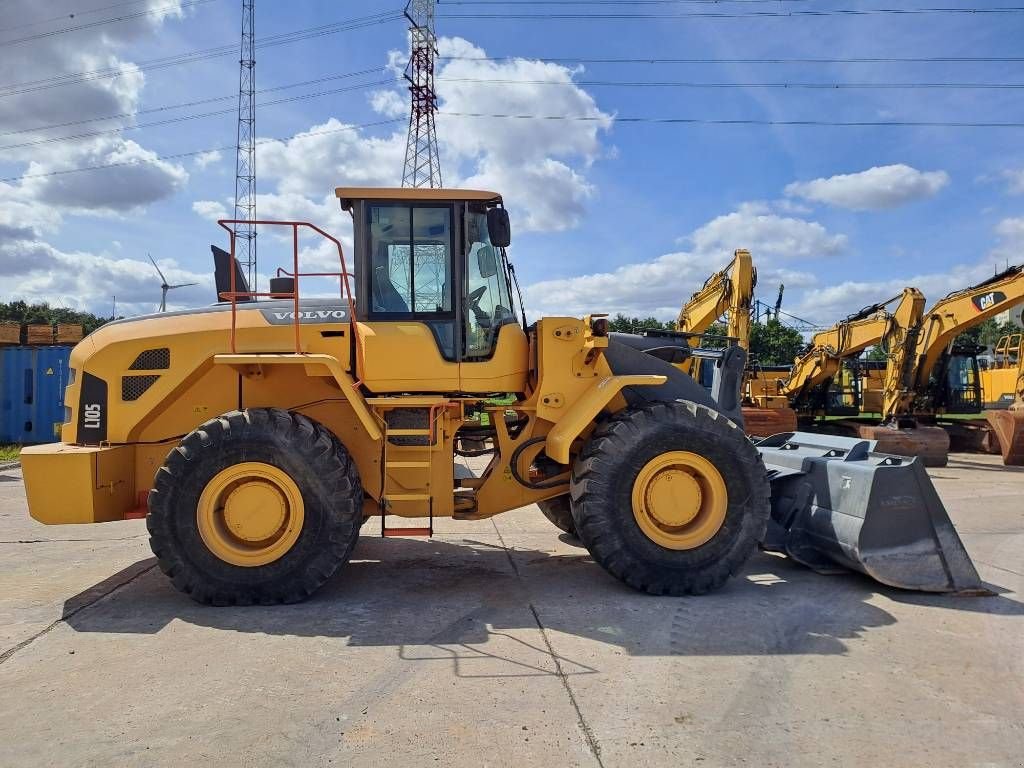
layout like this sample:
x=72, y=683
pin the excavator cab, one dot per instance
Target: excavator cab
x=956, y=381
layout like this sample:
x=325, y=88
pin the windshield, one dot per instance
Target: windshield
x=488, y=302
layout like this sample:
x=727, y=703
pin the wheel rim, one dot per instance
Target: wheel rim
x=250, y=514
x=679, y=500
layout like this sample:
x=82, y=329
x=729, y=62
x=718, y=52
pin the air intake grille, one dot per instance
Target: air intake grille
x=134, y=387
x=152, y=360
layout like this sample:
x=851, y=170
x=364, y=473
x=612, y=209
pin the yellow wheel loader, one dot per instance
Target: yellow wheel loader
x=1002, y=384
x=257, y=435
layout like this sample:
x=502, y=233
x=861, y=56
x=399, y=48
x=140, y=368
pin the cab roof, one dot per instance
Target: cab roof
x=348, y=194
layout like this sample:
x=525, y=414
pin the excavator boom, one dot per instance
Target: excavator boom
x=872, y=325
x=729, y=290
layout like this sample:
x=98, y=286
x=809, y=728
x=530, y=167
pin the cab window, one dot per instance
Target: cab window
x=410, y=259
x=488, y=305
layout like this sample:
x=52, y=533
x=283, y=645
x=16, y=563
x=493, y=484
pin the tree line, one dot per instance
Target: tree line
x=43, y=314
x=771, y=342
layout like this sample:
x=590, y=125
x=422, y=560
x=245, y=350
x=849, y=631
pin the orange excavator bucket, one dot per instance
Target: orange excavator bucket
x=1008, y=426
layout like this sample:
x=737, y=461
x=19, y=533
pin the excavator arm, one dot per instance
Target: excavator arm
x=871, y=325
x=729, y=290
x=912, y=362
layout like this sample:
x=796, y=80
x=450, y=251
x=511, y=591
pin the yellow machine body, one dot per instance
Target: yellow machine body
x=138, y=386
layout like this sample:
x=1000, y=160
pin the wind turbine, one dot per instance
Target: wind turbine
x=164, y=287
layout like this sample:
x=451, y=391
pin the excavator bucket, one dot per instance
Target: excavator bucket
x=1008, y=426
x=835, y=502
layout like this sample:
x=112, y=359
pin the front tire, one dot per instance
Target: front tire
x=671, y=498
x=255, y=506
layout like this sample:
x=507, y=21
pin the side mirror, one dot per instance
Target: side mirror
x=486, y=262
x=498, y=227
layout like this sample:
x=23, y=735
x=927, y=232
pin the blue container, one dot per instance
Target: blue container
x=32, y=381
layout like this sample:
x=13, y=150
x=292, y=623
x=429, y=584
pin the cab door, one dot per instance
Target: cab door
x=409, y=335
x=495, y=353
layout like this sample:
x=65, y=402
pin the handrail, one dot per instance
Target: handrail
x=343, y=278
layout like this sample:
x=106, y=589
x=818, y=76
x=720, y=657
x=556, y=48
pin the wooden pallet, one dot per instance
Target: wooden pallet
x=38, y=334
x=69, y=333
x=10, y=332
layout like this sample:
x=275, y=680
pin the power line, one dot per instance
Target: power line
x=848, y=60
x=192, y=153
x=612, y=2
x=585, y=118
x=746, y=121
x=190, y=57
x=505, y=16
x=690, y=84
x=193, y=116
x=390, y=81
x=67, y=16
x=195, y=103
x=102, y=22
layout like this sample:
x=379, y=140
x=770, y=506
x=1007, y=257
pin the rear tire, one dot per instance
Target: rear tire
x=314, y=490
x=604, y=491
x=559, y=511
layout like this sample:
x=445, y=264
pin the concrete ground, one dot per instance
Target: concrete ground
x=497, y=643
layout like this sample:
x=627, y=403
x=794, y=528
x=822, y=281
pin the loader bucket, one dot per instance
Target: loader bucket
x=835, y=502
x=1008, y=426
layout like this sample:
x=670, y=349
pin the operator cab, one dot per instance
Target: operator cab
x=434, y=290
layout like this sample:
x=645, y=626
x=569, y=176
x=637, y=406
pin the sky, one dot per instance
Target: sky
x=627, y=206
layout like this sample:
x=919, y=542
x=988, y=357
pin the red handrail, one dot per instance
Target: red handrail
x=343, y=277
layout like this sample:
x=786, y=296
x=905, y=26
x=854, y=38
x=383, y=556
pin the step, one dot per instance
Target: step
x=407, y=497
x=408, y=432
x=407, y=464
x=392, y=532
x=407, y=401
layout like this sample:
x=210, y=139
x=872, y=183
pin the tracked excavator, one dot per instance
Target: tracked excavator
x=258, y=436
x=1002, y=385
x=928, y=377
x=810, y=384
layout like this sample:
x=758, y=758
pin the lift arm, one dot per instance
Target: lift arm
x=850, y=337
x=948, y=318
x=728, y=290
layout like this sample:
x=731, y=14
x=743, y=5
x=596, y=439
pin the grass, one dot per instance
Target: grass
x=485, y=418
x=9, y=452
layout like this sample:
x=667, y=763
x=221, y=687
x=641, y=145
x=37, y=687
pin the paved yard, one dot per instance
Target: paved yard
x=497, y=643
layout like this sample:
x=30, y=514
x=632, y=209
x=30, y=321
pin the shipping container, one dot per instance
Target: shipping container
x=32, y=381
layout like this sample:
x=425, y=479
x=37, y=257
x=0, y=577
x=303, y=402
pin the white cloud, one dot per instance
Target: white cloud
x=658, y=287
x=830, y=303
x=136, y=179
x=389, y=103
x=1014, y=180
x=331, y=154
x=539, y=165
x=880, y=187
x=756, y=226
x=841, y=299
x=1010, y=248
x=210, y=209
x=36, y=271
x=205, y=159
x=1011, y=229
x=139, y=180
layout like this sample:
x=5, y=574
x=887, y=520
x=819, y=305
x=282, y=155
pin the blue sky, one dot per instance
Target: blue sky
x=608, y=215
